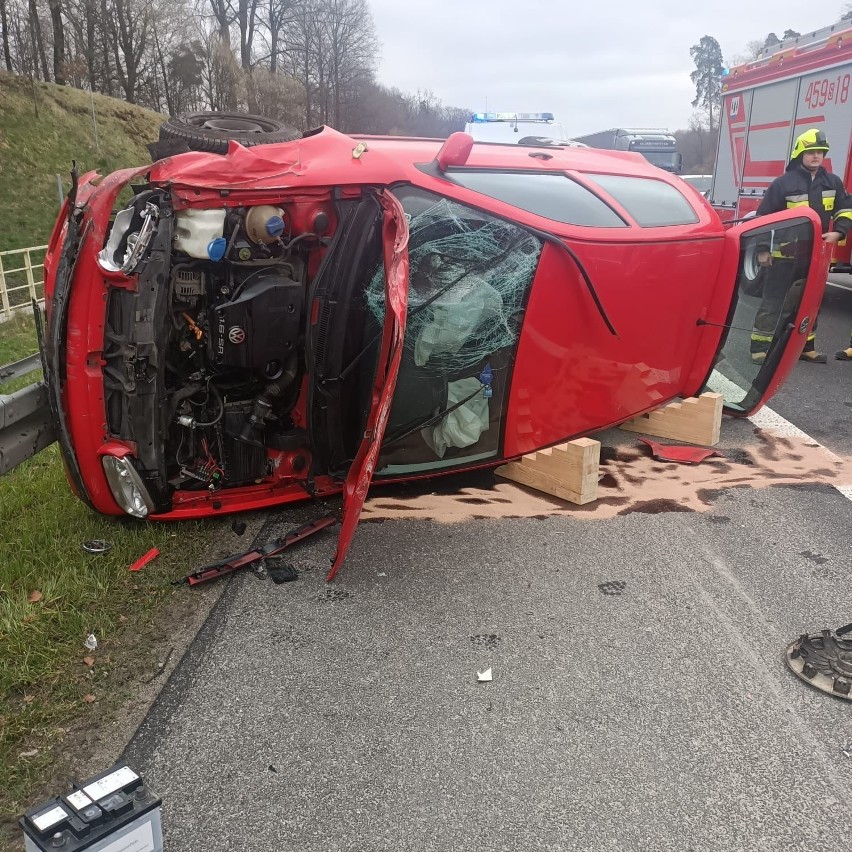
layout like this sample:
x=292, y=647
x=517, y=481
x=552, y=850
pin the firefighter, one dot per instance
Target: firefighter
x=805, y=181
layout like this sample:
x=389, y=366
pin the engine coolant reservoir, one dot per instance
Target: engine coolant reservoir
x=265, y=223
x=194, y=229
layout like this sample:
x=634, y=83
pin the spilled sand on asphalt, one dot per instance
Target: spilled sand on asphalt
x=632, y=481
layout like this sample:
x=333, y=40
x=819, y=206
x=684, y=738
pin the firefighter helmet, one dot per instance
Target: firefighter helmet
x=810, y=140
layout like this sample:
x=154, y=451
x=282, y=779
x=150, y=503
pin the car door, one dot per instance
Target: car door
x=395, y=253
x=773, y=307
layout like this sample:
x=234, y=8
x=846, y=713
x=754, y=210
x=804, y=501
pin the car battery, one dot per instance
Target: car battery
x=110, y=812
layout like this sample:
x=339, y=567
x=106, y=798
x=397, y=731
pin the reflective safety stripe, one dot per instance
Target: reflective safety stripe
x=761, y=338
x=844, y=214
x=797, y=201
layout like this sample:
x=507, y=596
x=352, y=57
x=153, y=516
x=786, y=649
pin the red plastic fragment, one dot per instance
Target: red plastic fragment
x=679, y=453
x=142, y=561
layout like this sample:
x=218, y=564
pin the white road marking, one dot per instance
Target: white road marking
x=766, y=418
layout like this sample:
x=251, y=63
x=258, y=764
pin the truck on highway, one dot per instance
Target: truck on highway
x=799, y=83
x=658, y=146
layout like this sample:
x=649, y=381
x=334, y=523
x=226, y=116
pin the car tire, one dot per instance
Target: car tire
x=212, y=131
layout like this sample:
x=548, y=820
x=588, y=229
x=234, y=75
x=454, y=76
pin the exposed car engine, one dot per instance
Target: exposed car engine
x=203, y=360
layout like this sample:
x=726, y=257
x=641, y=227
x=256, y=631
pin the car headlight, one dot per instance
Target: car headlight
x=127, y=486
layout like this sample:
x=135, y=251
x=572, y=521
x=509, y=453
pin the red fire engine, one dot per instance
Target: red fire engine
x=800, y=83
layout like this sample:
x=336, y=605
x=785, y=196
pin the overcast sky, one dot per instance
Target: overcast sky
x=595, y=65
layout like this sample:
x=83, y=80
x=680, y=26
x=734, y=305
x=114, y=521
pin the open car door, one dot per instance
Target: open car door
x=395, y=254
x=773, y=308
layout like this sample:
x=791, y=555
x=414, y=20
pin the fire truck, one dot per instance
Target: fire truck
x=799, y=83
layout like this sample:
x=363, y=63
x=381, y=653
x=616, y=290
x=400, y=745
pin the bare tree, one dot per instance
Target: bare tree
x=55, y=7
x=129, y=24
x=38, y=41
x=4, y=23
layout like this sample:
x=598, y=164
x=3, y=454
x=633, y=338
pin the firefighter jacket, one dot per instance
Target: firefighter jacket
x=824, y=194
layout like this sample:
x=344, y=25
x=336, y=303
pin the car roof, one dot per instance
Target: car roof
x=326, y=156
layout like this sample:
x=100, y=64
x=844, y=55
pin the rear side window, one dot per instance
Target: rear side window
x=552, y=196
x=651, y=203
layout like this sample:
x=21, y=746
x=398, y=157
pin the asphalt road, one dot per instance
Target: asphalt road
x=639, y=700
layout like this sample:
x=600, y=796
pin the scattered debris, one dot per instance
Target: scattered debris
x=31, y=753
x=140, y=563
x=239, y=527
x=91, y=642
x=281, y=572
x=34, y=596
x=679, y=453
x=243, y=560
x=161, y=667
x=96, y=545
x=89, y=661
x=824, y=661
x=89, y=698
x=483, y=677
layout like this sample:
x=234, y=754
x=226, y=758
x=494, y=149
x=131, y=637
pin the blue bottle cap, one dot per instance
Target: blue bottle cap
x=216, y=248
x=274, y=226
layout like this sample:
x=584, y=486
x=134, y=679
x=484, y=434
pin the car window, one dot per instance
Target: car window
x=470, y=275
x=652, y=203
x=553, y=196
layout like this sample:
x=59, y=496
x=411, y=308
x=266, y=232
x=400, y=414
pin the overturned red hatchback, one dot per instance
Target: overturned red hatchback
x=229, y=331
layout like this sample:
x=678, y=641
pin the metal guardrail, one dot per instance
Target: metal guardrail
x=20, y=285
x=25, y=426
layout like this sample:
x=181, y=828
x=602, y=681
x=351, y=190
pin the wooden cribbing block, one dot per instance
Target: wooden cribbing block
x=568, y=471
x=697, y=420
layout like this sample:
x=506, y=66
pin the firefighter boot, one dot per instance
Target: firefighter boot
x=759, y=347
x=809, y=353
x=844, y=354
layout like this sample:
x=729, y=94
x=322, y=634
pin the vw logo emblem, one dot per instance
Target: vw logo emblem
x=236, y=335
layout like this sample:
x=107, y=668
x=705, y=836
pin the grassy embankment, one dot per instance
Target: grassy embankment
x=52, y=594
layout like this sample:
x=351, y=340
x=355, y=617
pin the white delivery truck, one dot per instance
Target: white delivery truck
x=800, y=83
x=528, y=128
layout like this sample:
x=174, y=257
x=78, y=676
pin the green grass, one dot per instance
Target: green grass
x=44, y=128
x=52, y=594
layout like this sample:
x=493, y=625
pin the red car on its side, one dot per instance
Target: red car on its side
x=230, y=331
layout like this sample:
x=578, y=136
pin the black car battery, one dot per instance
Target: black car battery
x=110, y=812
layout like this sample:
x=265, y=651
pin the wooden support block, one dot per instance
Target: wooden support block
x=568, y=471
x=697, y=420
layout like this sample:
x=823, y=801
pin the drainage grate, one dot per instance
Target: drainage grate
x=823, y=661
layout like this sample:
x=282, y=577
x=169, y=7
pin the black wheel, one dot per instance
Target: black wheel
x=211, y=131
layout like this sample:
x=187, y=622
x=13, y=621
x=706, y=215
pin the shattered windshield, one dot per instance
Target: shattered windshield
x=469, y=278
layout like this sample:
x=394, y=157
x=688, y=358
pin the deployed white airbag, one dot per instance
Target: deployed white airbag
x=463, y=426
